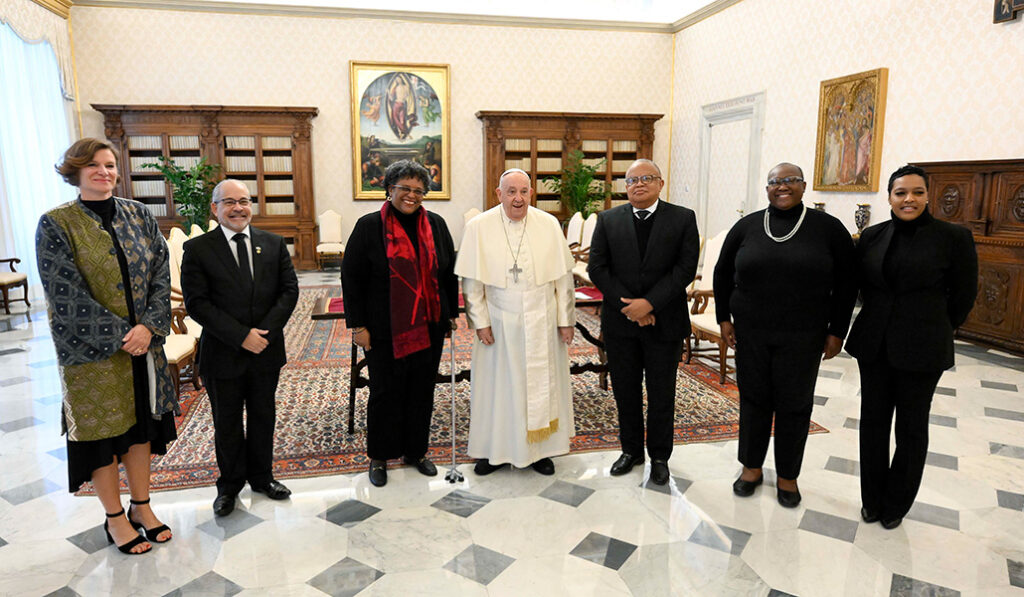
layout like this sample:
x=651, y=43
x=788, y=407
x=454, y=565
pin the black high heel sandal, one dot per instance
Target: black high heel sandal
x=127, y=547
x=151, y=534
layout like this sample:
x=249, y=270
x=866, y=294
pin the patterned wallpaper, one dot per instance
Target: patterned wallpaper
x=954, y=90
x=167, y=57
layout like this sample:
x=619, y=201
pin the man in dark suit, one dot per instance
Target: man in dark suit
x=239, y=284
x=642, y=257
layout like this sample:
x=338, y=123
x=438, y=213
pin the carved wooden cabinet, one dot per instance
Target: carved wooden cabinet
x=267, y=148
x=540, y=142
x=988, y=198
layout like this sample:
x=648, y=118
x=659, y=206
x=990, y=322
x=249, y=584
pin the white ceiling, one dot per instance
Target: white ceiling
x=607, y=11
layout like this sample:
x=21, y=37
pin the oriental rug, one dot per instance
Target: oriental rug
x=312, y=407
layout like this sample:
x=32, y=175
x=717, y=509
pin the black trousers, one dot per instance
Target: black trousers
x=244, y=453
x=776, y=373
x=401, y=398
x=629, y=358
x=889, y=487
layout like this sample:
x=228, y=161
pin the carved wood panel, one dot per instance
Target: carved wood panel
x=987, y=197
x=1008, y=207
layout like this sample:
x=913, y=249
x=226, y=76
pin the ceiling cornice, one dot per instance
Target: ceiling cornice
x=402, y=15
x=698, y=16
x=60, y=7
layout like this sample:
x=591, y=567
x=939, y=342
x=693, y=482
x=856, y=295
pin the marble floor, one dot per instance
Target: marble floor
x=515, y=532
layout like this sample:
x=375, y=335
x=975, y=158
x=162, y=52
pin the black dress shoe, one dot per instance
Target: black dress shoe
x=273, y=490
x=424, y=466
x=544, y=466
x=484, y=467
x=868, y=516
x=744, y=488
x=659, y=471
x=223, y=505
x=789, y=499
x=625, y=463
x=379, y=472
x=891, y=524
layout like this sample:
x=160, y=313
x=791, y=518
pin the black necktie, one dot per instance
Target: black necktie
x=642, y=214
x=243, y=257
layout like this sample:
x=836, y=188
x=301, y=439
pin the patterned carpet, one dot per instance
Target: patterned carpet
x=312, y=398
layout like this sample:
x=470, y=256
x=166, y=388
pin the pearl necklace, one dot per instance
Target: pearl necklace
x=782, y=239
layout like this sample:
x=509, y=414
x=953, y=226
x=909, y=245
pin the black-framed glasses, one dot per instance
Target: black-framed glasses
x=775, y=182
x=233, y=202
x=646, y=179
x=414, y=192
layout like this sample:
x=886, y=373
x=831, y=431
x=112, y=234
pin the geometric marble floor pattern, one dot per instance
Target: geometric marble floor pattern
x=515, y=532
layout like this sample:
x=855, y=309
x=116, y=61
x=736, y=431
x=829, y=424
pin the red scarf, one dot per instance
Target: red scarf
x=415, y=299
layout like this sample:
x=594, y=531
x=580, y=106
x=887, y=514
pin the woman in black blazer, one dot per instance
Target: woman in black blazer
x=401, y=297
x=918, y=280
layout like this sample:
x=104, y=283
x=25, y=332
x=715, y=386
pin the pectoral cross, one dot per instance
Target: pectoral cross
x=515, y=270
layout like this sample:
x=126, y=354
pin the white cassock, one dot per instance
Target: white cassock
x=521, y=401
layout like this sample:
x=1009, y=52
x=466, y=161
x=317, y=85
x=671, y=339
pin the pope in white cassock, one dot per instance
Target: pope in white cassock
x=517, y=283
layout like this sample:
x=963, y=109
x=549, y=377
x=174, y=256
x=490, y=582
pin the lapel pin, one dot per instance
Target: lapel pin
x=259, y=250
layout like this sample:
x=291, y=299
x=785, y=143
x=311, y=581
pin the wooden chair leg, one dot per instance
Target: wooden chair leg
x=688, y=350
x=7, y=300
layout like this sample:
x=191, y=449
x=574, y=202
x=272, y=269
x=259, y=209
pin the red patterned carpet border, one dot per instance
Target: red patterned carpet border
x=312, y=439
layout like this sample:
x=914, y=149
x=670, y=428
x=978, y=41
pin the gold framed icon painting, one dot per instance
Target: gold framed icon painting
x=399, y=112
x=851, y=119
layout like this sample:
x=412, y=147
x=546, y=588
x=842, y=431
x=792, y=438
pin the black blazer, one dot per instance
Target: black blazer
x=937, y=282
x=661, y=277
x=210, y=281
x=366, y=279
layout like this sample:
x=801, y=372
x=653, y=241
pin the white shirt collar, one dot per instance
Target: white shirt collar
x=650, y=209
x=230, y=234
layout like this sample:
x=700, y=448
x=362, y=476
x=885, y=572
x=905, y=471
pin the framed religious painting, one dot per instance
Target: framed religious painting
x=399, y=112
x=851, y=118
x=1006, y=10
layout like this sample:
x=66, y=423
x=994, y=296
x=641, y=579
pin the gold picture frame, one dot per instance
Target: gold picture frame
x=851, y=119
x=399, y=111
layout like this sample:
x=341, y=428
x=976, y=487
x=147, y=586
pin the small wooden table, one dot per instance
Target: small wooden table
x=321, y=311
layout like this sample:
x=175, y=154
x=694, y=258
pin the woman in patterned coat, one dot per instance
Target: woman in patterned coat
x=103, y=265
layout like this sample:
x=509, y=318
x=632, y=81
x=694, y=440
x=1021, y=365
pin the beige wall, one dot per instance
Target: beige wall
x=955, y=87
x=167, y=57
x=954, y=92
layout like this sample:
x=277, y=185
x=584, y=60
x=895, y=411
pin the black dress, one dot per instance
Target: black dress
x=86, y=457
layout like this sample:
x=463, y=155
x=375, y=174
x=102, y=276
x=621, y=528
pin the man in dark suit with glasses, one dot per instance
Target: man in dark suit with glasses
x=642, y=257
x=239, y=284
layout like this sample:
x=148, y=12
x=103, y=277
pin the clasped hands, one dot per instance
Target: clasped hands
x=136, y=341
x=638, y=310
x=254, y=341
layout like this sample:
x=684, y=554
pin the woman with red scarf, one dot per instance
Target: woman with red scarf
x=401, y=295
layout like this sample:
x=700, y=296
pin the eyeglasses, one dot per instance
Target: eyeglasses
x=646, y=179
x=774, y=182
x=414, y=192
x=229, y=203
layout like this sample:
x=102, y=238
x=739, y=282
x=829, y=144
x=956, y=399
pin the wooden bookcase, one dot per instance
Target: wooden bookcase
x=987, y=197
x=540, y=142
x=267, y=148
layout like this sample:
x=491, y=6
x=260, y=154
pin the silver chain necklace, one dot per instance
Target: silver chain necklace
x=782, y=239
x=515, y=270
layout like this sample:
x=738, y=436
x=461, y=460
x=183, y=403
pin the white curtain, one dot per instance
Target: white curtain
x=34, y=132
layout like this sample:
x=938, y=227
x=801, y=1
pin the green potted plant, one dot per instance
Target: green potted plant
x=193, y=188
x=578, y=187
